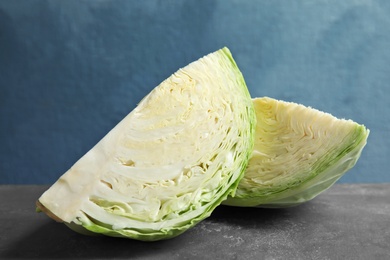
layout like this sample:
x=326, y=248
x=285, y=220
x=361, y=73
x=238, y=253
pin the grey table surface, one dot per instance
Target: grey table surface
x=348, y=221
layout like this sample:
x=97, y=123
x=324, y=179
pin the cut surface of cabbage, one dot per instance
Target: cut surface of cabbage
x=299, y=152
x=168, y=163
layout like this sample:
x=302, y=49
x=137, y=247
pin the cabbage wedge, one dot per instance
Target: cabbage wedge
x=168, y=163
x=299, y=152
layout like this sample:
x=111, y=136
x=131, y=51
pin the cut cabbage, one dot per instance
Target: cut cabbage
x=299, y=152
x=168, y=163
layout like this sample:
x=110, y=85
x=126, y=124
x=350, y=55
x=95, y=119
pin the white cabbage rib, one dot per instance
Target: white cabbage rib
x=299, y=152
x=168, y=163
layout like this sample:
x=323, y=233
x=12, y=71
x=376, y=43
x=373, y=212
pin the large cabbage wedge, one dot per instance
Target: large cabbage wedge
x=168, y=163
x=299, y=152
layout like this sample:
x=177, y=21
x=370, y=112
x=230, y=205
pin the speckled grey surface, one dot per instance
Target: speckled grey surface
x=349, y=221
x=70, y=70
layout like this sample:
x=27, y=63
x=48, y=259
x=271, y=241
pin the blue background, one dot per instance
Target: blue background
x=71, y=70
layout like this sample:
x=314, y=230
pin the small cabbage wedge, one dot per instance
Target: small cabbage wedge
x=168, y=163
x=299, y=152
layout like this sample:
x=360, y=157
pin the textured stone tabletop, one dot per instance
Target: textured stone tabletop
x=346, y=222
